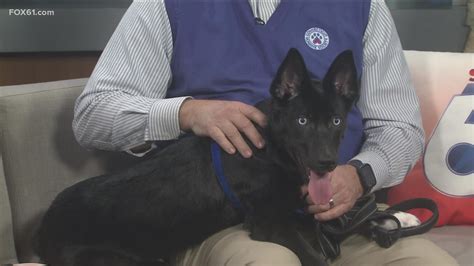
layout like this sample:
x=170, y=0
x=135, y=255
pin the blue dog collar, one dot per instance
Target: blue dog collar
x=217, y=164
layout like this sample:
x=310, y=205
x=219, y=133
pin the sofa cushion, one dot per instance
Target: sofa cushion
x=40, y=158
x=442, y=82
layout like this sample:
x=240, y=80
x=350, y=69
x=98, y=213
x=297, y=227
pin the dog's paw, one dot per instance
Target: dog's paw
x=406, y=220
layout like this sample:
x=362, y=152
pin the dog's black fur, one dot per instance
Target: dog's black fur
x=173, y=201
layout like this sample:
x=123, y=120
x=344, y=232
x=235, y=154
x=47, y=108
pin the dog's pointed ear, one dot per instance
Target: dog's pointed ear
x=290, y=78
x=342, y=76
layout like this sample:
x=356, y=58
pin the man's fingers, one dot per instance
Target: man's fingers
x=225, y=122
x=234, y=136
x=317, y=208
x=247, y=127
x=218, y=136
x=254, y=114
x=332, y=213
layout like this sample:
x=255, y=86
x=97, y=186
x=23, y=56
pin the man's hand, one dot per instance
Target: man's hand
x=223, y=121
x=346, y=188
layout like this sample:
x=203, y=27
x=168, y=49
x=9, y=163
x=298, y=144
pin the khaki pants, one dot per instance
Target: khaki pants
x=233, y=247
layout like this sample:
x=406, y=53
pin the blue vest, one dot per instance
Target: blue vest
x=220, y=52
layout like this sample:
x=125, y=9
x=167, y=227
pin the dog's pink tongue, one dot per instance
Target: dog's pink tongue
x=319, y=188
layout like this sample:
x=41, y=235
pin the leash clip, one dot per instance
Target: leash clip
x=385, y=238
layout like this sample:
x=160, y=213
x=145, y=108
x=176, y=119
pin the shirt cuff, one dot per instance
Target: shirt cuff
x=143, y=153
x=379, y=167
x=163, y=119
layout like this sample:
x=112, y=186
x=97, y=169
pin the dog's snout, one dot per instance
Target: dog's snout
x=326, y=166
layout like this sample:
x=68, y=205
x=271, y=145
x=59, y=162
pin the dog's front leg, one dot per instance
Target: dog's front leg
x=285, y=234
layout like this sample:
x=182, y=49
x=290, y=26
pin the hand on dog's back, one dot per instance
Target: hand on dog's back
x=223, y=121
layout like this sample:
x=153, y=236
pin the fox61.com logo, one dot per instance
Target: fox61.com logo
x=30, y=12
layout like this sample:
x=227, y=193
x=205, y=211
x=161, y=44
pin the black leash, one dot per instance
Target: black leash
x=359, y=219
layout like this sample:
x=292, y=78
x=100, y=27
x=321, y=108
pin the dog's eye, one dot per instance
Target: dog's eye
x=336, y=121
x=302, y=121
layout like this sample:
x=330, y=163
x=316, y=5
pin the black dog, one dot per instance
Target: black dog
x=173, y=201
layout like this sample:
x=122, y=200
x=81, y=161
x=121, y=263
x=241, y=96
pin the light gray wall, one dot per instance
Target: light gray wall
x=88, y=29
x=432, y=29
x=70, y=29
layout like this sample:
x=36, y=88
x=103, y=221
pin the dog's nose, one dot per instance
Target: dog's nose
x=327, y=166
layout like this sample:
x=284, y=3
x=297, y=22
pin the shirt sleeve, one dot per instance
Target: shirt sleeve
x=123, y=105
x=394, y=137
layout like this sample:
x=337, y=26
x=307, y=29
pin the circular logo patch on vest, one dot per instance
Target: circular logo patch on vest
x=316, y=38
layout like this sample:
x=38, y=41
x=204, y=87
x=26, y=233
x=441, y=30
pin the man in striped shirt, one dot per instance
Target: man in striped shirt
x=145, y=89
